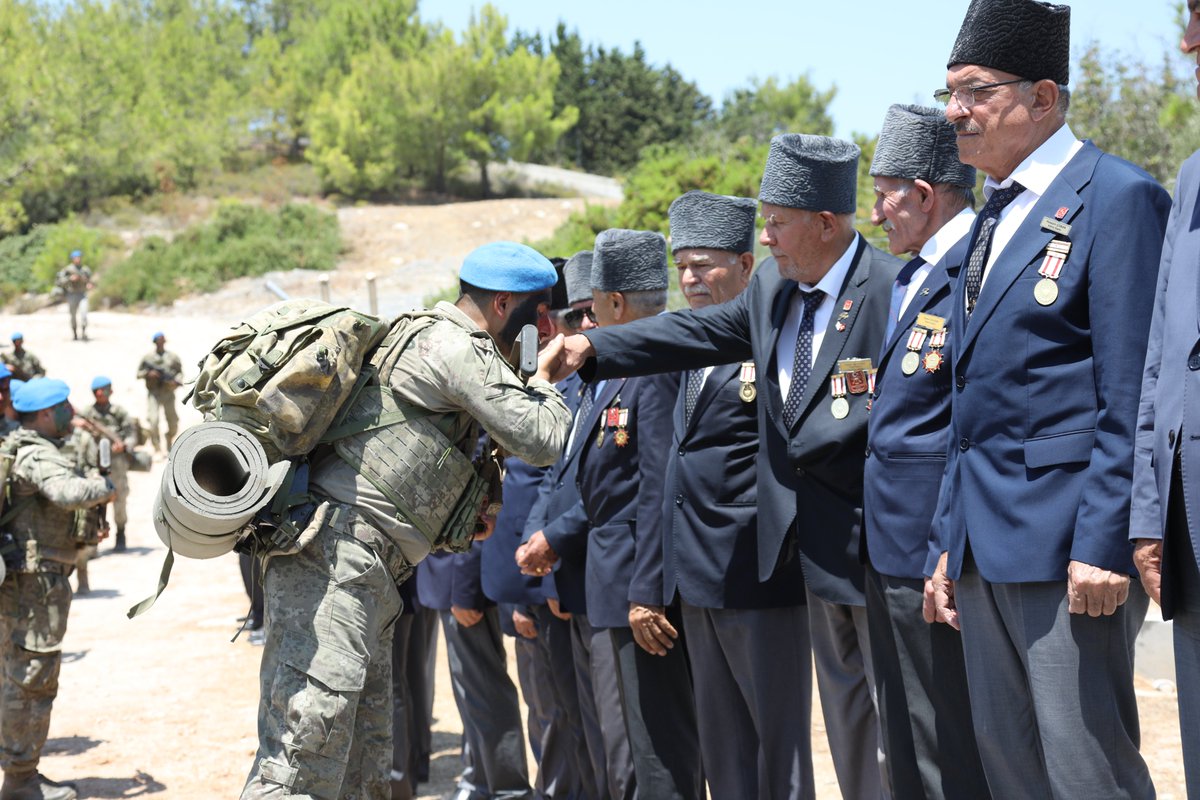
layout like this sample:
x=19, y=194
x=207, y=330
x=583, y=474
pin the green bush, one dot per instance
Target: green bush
x=578, y=232
x=240, y=240
x=28, y=262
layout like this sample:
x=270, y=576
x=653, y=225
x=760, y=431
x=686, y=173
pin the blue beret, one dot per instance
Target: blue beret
x=18, y=335
x=76, y=254
x=4, y=372
x=100, y=381
x=40, y=393
x=157, y=335
x=508, y=267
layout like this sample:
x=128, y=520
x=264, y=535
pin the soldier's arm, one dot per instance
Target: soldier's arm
x=55, y=479
x=126, y=427
x=144, y=368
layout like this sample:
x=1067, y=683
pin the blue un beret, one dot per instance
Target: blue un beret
x=100, y=381
x=157, y=335
x=40, y=393
x=18, y=335
x=508, y=267
x=76, y=254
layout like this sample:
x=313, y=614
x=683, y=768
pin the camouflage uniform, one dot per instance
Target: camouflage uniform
x=325, y=712
x=34, y=601
x=24, y=365
x=73, y=281
x=125, y=426
x=83, y=450
x=160, y=394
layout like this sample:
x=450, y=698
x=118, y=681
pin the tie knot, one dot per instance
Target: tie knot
x=812, y=300
x=908, y=270
x=1000, y=200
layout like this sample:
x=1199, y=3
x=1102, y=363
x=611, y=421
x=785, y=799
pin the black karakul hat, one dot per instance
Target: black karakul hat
x=629, y=261
x=814, y=173
x=578, y=274
x=712, y=221
x=1024, y=37
x=919, y=143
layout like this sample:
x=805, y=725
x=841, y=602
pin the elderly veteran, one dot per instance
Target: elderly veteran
x=753, y=697
x=556, y=536
x=812, y=318
x=1161, y=521
x=625, y=437
x=1034, y=514
x=325, y=725
x=45, y=490
x=923, y=199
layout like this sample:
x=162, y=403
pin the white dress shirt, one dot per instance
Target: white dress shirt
x=831, y=285
x=1035, y=173
x=935, y=250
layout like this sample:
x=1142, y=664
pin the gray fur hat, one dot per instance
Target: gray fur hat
x=815, y=173
x=918, y=142
x=629, y=261
x=578, y=274
x=715, y=221
x=1024, y=37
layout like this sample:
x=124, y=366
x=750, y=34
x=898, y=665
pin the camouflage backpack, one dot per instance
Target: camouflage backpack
x=285, y=372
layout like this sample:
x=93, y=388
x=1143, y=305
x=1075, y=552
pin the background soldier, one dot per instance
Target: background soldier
x=23, y=364
x=442, y=367
x=43, y=492
x=75, y=280
x=162, y=371
x=121, y=428
x=8, y=421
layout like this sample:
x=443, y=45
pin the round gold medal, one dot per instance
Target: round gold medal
x=1045, y=291
x=748, y=393
x=840, y=408
x=910, y=363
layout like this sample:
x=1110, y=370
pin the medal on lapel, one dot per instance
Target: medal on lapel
x=621, y=436
x=748, y=391
x=912, y=359
x=1045, y=291
x=840, y=325
x=840, y=408
x=934, y=359
x=871, y=373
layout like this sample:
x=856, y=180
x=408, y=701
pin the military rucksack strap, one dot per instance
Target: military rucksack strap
x=163, y=577
x=16, y=508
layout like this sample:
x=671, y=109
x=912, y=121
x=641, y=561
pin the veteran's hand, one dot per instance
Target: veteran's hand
x=1095, y=591
x=536, y=557
x=550, y=358
x=938, y=604
x=556, y=609
x=524, y=624
x=651, y=629
x=1147, y=557
x=466, y=616
x=576, y=349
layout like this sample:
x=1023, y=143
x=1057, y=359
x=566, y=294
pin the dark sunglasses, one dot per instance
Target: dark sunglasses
x=574, y=317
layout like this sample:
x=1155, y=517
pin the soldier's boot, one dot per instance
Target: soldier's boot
x=74, y=333
x=35, y=786
x=119, y=544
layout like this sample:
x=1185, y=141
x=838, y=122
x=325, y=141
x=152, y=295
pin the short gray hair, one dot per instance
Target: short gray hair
x=647, y=301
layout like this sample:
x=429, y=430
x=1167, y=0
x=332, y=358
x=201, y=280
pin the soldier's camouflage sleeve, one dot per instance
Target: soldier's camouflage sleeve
x=52, y=474
x=530, y=421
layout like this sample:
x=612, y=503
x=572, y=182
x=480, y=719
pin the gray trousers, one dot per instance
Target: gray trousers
x=422, y=672
x=1052, y=692
x=488, y=705
x=846, y=683
x=660, y=716
x=752, y=670
x=564, y=767
x=921, y=685
x=600, y=708
x=77, y=306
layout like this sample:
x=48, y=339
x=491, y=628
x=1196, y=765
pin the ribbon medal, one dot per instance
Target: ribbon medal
x=621, y=436
x=912, y=359
x=748, y=391
x=840, y=408
x=1045, y=291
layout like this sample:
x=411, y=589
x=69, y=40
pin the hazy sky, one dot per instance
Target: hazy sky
x=875, y=52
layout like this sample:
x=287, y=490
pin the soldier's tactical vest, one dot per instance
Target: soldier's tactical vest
x=402, y=452
x=43, y=530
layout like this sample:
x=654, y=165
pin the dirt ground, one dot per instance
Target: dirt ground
x=165, y=705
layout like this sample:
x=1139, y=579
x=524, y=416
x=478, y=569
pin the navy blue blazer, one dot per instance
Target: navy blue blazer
x=810, y=475
x=906, y=437
x=452, y=579
x=1169, y=416
x=710, y=538
x=622, y=492
x=558, y=512
x=1045, y=400
x=502, y=578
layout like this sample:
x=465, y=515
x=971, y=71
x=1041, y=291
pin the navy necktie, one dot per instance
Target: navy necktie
x=985, y=227
x=585, y=408
x=695, y=381
x=898, y=292
x=802, y=366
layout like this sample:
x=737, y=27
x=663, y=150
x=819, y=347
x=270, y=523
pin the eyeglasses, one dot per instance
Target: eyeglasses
x=965, y=95
x=574, y=317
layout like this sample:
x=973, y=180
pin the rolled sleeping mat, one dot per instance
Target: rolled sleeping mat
x=216, y=479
